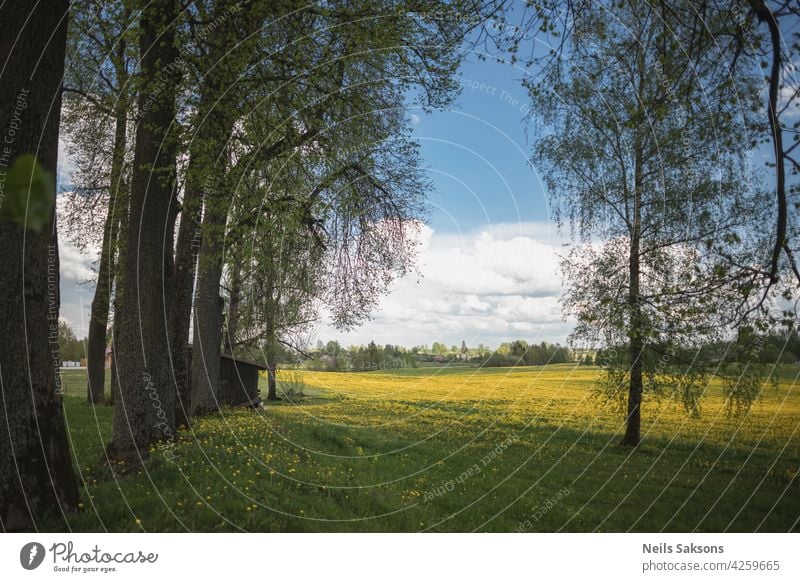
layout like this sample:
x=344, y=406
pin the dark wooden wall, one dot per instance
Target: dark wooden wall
x=238, y=382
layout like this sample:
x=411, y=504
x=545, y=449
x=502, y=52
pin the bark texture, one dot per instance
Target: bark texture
x=207, y=337
x=144, y=410
x=37, y=480
x=98, y=319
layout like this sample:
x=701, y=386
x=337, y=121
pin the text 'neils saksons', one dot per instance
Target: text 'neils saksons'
x=663, y=548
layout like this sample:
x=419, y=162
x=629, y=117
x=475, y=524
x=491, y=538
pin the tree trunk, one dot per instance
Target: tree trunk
x=636, y=330
x=98, y=319
x=119, y=282
x=38, y=480
x=216, y=120
x=186, y=251
x=207, y=330
x=145, y=410
x=231, y=326
x=272, y=369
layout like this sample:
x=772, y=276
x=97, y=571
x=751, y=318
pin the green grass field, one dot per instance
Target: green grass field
x=451, y=450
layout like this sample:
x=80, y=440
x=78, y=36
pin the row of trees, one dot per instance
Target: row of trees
x=781, y=346
x=241, y=166
x=333, y=357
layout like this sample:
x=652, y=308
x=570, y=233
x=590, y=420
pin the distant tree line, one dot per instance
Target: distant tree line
x=332, y=357
x=780, y=346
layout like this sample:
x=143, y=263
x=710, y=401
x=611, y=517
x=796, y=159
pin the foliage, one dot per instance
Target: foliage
x=29, y=194
x=70, y=348
x=291, y=385
x=654, y=185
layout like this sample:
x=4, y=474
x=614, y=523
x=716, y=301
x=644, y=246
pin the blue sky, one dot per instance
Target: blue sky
x=477, y=153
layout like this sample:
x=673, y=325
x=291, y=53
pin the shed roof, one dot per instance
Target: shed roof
x=243, y=361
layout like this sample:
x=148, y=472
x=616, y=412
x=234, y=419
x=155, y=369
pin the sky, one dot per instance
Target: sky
x=487, y=270
x=488, y=264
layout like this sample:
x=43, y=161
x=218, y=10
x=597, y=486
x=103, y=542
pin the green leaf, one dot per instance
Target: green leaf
x=30, y=194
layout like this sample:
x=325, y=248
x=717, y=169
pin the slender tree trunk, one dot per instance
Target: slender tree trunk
x=186, y=251
x=636, y=331
x=207, y=337
x=231, y=326
x=114, y=383
x=145, y=410
x=272, y=368
x=123, y=197
x=35, y=463
x=98, y=319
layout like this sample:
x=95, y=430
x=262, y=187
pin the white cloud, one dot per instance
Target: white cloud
x=77, y=274
x=495, y=284
x=76, y=265
x=491, y=285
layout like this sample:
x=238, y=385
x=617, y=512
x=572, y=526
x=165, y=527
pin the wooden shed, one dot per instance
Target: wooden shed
x=238, y=381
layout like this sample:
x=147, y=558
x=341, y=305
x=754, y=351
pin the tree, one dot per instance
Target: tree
x=276, y=262
x=96, y=111
x=145, y=412
x=633, y=158
x=337, y=75
x=744, y=35
x=38, y=477
x=216, y=63
x=70, y=348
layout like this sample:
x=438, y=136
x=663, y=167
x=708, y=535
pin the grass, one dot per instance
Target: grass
x=451, y=449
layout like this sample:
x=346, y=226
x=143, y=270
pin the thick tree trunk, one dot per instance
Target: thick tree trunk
x=37, y=474
x=145, y=409
x=98, y=319
x=216, y=120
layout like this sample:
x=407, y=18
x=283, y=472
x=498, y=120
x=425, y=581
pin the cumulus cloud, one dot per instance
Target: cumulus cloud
x=76, y=265
x=77, y=275
x=491, y=285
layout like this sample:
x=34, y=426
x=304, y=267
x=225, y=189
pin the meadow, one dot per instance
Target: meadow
x=439, y=449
